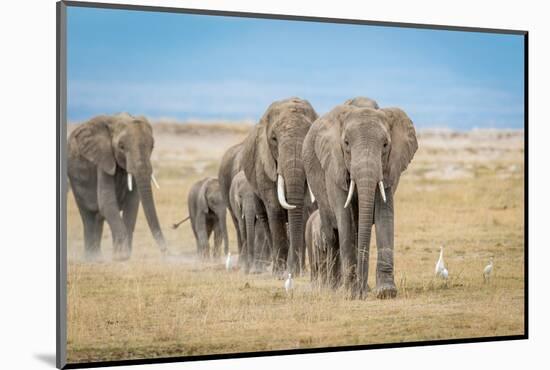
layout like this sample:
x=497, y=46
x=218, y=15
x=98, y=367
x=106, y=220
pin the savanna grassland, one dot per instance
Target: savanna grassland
x=463, y=190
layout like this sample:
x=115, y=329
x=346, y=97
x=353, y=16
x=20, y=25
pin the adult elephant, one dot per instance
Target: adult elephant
x=229, y=167
x=272, y=162
x=207, y=213
x=244, y=204
x=110, y=172
x=366, y=148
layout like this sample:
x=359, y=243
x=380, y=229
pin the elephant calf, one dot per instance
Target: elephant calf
x=321, y=264
x=244, y=205
x=207, y=214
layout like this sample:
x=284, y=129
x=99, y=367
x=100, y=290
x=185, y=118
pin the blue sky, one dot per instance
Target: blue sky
x=202, y=67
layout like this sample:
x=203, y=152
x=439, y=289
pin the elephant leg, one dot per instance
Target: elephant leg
x=129, y=215
x=196, y=234
x=93, y=230
x=263, y=223
x=303, y=259
x=348, y=253
x=209, y=229
x=237, y=228
x=218, y=238
x=243, y=252
x=277, y=220
x=250, y=220
x=109, y=209
x=383, y=221
x=202, y=236
x=329, y=270
x=260, y=244
x=223, y=230
x=308, y=239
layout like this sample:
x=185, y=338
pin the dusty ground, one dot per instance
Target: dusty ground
x=462, y=190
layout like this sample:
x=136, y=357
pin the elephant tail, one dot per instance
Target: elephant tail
x=176, y=225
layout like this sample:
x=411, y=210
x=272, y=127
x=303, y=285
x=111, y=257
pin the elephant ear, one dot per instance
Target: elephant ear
x=403, y=145
x=256, y=156
x=202, y=197
x=94, y=143
x=328, y=149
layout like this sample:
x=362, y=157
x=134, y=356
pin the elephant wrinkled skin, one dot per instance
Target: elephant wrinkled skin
x=353, y=158
x=207, y=213
x=110, y=173
x=244, y=204
x=272, y=163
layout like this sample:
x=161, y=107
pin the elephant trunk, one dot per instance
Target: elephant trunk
x=295, y=186
x=143, y=181
x=366, y=179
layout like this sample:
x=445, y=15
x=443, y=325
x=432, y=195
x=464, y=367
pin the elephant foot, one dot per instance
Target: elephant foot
x=279, y=275
x=121, y=254
x=364, y=292
x=94, y=257
x=386, y=290
x=256, y=269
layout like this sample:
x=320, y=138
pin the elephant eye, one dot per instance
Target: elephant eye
x=121, y=146
x=385, y=145
x=274, y=139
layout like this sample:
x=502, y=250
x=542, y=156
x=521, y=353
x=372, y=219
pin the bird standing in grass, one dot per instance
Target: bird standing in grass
x=440, y=269
x=228, y=262
x=289, y=283
x=488, y=270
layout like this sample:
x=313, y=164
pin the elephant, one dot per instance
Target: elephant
x=356, y=145
x=207, y=213
x=272, y=163
x=244, y=203
x=229, y=167
x=110, y=172
x=319, y=263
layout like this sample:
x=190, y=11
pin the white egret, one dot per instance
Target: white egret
x=289, y=283
x=228, y=262
x=488, y=270
x=440, y=265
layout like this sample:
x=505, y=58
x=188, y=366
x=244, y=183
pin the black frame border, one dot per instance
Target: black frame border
x=61, y=186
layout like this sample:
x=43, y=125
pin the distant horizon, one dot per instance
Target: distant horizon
x=204, y=68
x=213, y=122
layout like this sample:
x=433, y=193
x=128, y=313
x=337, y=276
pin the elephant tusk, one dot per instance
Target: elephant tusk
x=130, y=181
x=382, y=192
x=311, y=194
x=155, y=181
x=281, y=194
x=350, y=193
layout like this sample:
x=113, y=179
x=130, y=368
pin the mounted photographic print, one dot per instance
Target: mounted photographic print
x=236, y=184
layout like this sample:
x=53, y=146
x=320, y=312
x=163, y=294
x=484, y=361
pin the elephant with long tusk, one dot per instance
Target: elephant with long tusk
x=353, y=158
x=110, y=172
x=272, y=163
x=130, y=182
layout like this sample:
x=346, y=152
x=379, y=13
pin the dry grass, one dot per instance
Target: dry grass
x=463, y=192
